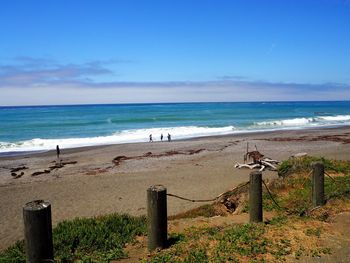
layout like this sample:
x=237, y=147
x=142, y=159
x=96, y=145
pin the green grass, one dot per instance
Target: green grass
x=299, y=187
x=279, y=220
x=243, y=240
x=14, y=254
x=99, y=239
x=340, y=188
x=268, y=242
x=313, y=232
x=233, y=244
x=298, y=199
x=296, y=165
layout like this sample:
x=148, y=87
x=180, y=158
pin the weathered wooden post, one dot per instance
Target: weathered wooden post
x=157, y=217
x=317, y=184
x=255, y=197
x=38, y=231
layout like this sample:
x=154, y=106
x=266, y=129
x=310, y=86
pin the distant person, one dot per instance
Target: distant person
x=58, y=151
x=161, y=137
x=169, y=137
x=150, y=138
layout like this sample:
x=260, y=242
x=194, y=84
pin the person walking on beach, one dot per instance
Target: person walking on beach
x=169, y=137
x=150, y=138
x=161, y=137
x=58, y=151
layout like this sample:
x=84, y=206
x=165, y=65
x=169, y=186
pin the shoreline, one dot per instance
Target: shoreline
x=108, y=179
x=15, y=154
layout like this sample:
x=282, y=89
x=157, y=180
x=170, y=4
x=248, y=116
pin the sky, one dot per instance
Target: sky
x=134, y=51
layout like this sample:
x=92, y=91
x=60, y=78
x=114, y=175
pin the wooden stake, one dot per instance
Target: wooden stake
x=157, y=217
x=255, y=197
x=38, y=231
x=317, y=184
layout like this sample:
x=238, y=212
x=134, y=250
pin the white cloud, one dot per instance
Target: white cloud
x=32, y=81
x=187, y=92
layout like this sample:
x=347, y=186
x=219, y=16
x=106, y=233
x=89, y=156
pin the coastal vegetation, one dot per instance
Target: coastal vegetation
x=294, y=229
x=302, y=165
x=98, y=239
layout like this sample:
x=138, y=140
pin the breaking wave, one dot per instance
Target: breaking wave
x=183, y=132
x=305, y=122
x=126, y=136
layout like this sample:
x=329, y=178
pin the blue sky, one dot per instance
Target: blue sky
x=72, y=52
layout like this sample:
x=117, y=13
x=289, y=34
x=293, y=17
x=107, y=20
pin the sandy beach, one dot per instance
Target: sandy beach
x=106, y=179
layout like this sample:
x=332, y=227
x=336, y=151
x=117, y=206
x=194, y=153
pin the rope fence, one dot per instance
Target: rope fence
x=230, y=192
x=271, y=196
x=208, y=200
x=193, y=200
x=38, y=225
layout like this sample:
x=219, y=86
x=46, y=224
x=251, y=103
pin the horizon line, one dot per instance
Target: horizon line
x=155, y=103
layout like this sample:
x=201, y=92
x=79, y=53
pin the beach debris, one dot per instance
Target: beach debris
x=260, y=164
x=259, y=161
x=119, y=159
x=98, y=171
x=70, y=162
x=255, y=155
x=41, y=172
x=14, y=170
x=340, y=138
x=61, y=164
x=250, y=166
x=16, y=176
x=190, y=152
x=57, y=165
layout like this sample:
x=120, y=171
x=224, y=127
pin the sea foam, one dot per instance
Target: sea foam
x=305, y=122
x=335, y=118
x=287, y=122
x=126, y=136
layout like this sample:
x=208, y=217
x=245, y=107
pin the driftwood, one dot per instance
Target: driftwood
x=261, y=165
x=266, y=163
x=255, y=155
x=259, y=161
x=271, y=160
x=262, y=168
x=244, y=165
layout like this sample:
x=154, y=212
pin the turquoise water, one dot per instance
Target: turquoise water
x=43, y=127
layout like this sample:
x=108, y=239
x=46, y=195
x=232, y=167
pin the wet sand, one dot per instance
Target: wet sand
x=93, y=181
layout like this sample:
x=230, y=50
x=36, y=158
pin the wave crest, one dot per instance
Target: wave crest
x=335, y=118
x=287, y=122
x=126, y=136
x=302, y=122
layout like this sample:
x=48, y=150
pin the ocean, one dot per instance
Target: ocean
x=41, y=128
